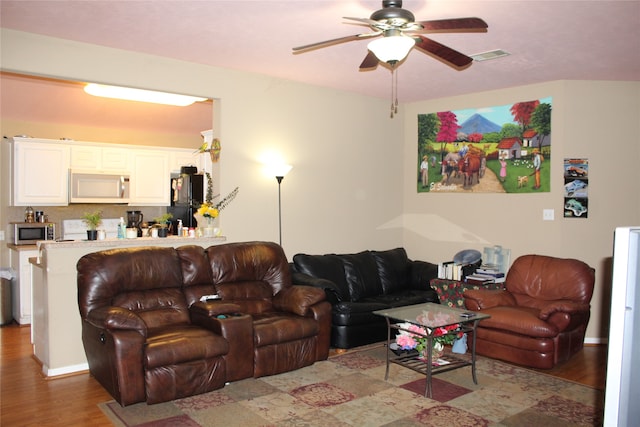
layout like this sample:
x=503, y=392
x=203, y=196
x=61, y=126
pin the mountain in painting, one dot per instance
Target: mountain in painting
x=478, y=124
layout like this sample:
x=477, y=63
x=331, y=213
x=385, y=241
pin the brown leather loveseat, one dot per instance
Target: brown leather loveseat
x=540, y=319
x=149, y=337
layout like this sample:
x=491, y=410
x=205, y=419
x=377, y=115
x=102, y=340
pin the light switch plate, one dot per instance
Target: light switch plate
x=548, y=214
x=1, y=235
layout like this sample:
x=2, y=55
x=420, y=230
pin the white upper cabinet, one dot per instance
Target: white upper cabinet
x=150, y=178
x=185, y=157
x=91, y=157
x=40, y=172
x=40, y=169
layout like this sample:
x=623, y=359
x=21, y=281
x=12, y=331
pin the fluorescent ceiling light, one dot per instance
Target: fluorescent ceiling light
x=141, y=95
x=391, y=49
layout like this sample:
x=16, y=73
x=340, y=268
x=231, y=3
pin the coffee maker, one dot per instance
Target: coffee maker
x=134, y=219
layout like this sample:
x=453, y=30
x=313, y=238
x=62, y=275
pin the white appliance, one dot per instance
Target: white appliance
x=98, y=187
x=76, y=229
x=623, y=376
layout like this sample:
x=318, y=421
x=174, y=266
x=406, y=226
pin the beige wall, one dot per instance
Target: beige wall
x=345, y=151
x=353, y=182
x=596, y=120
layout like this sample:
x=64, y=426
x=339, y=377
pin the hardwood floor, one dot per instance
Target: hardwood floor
x=28, y=399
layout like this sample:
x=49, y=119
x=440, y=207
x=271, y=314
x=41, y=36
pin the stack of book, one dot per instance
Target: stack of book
x=486, y=274
x=449, y=270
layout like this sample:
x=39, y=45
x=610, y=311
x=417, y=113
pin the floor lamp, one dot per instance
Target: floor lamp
x=280, y=171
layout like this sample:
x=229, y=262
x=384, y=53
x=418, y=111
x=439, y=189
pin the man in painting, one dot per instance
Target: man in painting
x=537, y=162
x=424, y=171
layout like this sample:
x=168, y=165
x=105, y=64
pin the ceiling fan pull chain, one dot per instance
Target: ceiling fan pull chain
x=392, y=91
x=395, y=85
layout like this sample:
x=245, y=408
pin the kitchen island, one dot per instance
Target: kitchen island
x=56, y=325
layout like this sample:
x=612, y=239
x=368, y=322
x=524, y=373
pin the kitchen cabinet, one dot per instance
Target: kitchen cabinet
x=40, y=169
x=185, y=157
x=21, y=287
x=149, y=178
x=40, y=172
x=92, y=157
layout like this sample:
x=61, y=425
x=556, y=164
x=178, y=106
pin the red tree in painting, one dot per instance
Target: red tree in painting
x=522, y=112
x=474, y=137
x=448, y=131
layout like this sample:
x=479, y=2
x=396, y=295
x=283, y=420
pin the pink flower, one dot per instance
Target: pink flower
x=406, y=342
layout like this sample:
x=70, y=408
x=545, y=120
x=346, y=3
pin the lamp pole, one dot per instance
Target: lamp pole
x=280, y=171
x=279, y=178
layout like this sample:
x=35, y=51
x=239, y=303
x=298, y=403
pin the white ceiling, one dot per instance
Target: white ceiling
x=548, y=40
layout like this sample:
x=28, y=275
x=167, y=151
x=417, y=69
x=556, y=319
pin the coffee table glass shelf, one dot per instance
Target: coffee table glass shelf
x=431, y=316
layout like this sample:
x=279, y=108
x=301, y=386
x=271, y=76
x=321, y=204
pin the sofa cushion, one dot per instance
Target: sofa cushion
x=328, y=267
x=178, y=344
x=361, y=273
x=278, y=328
x=251, y=296
x=158, y=308
x=392, y=269
x=405, y=297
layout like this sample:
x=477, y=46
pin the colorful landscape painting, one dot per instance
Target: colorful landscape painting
x=500, y=149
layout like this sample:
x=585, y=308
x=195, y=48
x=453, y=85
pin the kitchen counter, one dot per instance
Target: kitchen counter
x=57, y=327
x=21, y=248
x=99, y=245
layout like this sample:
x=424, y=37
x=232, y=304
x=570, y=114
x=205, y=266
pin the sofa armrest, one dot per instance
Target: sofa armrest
x=333, y=292
x=421, y=273
x=481, y=299
x=213, y=308
x=236, y=328
x=566, y=307
x=116, y=318
x=298, y=299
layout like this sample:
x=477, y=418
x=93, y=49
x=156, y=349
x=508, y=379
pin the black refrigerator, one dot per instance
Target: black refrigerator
x=187, y=194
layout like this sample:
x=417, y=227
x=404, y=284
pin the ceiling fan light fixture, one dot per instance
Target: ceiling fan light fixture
x=391, y=49
x=131, y=94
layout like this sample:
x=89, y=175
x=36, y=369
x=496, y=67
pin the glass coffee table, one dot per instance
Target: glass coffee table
x=431, y=316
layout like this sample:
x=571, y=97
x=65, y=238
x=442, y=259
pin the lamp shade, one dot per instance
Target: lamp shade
x=280, y=170
x=392, y=48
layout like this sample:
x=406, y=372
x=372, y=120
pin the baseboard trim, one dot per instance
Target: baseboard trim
x=65, y=370
x=596, y=341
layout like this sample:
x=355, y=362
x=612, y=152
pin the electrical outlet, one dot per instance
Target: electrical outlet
x=548, y=214
x=1, y=235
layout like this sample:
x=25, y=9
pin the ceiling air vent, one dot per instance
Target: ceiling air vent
x=492, y=54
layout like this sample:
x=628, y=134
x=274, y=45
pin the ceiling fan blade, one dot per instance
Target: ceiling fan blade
x=326, y=43
x=370, y=61
x=454, y=25
x=450, y=56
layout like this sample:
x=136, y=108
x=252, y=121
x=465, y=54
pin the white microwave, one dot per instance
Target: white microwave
x=98, y=187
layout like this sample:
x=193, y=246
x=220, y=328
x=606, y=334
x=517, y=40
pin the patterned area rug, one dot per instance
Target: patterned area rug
x=350, y=390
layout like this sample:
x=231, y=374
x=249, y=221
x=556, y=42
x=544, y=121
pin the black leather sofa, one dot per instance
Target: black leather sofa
x=359, y=284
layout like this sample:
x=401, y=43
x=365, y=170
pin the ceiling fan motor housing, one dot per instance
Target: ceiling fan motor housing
x=392, y=10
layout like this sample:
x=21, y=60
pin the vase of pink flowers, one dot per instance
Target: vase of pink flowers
x=412, y=336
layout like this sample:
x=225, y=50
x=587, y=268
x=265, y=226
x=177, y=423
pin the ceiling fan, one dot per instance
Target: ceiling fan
x=400, y=33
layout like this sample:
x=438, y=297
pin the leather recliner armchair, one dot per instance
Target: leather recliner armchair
x=136, y=329
x=271, y=325
x=539, y=320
